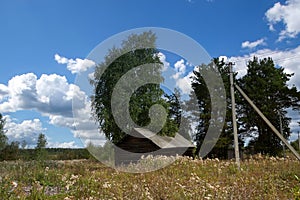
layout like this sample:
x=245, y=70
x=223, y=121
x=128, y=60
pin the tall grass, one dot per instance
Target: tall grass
x=259, y=178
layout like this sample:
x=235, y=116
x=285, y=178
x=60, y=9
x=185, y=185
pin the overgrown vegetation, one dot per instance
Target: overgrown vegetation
x=260, y=178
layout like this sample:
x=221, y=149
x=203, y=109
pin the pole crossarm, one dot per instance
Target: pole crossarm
x=268, y=122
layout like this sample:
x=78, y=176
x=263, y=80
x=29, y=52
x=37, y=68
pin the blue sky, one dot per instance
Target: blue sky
x=33, y=32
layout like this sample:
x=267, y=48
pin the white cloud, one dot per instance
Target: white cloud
x=162, y=58
x=52, y=96
x=75, y=66
x=27, y=130
x=288, y=14
x=3, y=92
x=223, y=58
x=185, y=83
x=289, y=59
x=294, y=115
x=254, y=44
x=182, y=76
x=22, y=93
x=180, y=68
x=91, y=75
x=62, y=144
x=95, y=142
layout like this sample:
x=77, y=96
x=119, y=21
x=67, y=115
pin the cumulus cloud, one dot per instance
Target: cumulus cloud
x=185, y=83
x=49, y=94
x=52, y=96
x=27, y=130
x=182, y=77
x=288, y=14
x=3, y=92
x=75, y=66
x=180, y=68
x=162, y=58
x=252, y=45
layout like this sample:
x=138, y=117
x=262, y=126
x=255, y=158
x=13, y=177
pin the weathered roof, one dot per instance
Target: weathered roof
x=163, y=141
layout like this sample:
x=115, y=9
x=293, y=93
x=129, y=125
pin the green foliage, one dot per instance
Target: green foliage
x=266, y=85
x=42, y=141
x=41, y=153
x=118, y=62
x=3, y=137
x=296, y=189
x=203, y=96
x=177, y=115
x=295, y=145
x=11, y=151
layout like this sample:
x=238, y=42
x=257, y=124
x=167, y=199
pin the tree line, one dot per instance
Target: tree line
x=15, y=150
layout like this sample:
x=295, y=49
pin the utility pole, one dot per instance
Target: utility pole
x=281, y=131
x=236, y=141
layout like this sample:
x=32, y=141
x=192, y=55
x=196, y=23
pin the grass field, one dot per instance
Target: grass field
x=259, y=178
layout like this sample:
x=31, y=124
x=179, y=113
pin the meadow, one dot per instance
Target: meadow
x=259, y=178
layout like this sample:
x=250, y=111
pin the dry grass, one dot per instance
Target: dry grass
x=259, y=178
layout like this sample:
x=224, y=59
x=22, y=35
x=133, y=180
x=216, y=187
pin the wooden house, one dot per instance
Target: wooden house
x=145, y=142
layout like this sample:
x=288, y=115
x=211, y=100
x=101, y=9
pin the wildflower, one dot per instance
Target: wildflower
x=210, y=186
x=74, y=177
x=64, y=178
x=69, y=198
x=106, y=185
x=148, y=195
x=14, y=184
x=135, y=187
x=209, y=196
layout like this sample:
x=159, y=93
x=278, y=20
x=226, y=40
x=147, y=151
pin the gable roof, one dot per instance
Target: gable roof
x=162, y=141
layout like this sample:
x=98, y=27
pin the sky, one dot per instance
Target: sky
x=44, y=45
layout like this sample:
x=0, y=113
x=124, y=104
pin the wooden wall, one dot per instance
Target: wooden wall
x=131, y=148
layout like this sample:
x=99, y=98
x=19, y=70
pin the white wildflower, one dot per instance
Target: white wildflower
x=14, y=184
x=106, y=185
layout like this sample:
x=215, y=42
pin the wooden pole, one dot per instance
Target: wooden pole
x=236, y=141
x=299, y=140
